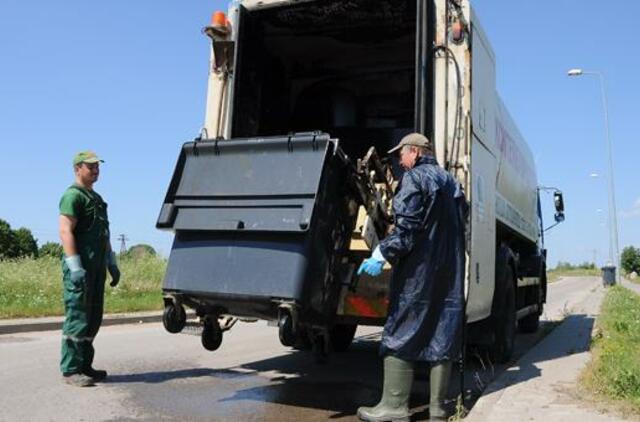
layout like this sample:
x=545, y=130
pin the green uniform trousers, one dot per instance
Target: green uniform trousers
x=83, y=306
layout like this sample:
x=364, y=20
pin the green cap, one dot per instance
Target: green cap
x=414, y=139
x=86, y=157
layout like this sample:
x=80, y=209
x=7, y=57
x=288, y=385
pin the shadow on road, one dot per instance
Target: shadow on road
x=348, y=380
x=161, y=376
x=571, y=337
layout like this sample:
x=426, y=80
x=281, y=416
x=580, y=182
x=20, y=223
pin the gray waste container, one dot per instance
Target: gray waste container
x=609, y=275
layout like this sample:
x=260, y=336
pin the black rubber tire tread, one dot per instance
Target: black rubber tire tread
x=505, y=322
x=285, y=330
x=211, y=335
x=174, y=318
x=529, y=324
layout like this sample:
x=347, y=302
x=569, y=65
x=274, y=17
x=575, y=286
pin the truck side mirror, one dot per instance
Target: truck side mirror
x=558, y=202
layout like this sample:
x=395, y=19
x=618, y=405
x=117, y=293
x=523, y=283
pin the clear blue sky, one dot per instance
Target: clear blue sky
x=128, y=78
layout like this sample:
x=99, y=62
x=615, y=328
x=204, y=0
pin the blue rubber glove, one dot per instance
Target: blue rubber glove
x=373, y=266
x=112, y=266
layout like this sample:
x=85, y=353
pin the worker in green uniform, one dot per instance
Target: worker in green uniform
x=84, y=231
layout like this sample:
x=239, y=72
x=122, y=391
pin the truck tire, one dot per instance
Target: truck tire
x=174, y=318
x=342, y=335
x=505, y=321
x=530, y=323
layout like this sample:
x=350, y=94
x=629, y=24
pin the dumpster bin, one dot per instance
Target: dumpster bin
x=609, y=275
x=262, y=229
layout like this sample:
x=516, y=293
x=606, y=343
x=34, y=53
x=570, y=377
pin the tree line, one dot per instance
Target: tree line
x=20, y=243
x=629, y=261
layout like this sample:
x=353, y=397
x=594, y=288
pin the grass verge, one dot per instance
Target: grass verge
x=613, y=375
x=555, y=275
x=33, y=287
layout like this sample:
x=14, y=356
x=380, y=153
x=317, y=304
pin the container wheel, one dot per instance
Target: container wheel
x=211, y=334
x=342, y=335
x=174, y=318
x=285, y=330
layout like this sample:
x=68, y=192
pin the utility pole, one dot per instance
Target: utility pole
x=123, y=243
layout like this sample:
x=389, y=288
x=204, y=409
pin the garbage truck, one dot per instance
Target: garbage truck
x=288, y=186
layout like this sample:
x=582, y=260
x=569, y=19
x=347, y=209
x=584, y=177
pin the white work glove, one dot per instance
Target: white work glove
x=78, y=273
x=112, y=266
x=377, y=254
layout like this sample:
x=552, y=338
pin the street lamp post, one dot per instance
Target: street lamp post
x=614, y=252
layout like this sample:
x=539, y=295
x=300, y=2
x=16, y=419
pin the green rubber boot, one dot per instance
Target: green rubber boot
x=439, y=383
x=394, y=404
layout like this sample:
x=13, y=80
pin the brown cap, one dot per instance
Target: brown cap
x=414, y=139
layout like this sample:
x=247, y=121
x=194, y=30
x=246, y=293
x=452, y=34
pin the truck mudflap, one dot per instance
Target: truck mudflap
x=259, y=223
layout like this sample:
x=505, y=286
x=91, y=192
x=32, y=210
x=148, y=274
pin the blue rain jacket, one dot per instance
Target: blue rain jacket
x=427, y=251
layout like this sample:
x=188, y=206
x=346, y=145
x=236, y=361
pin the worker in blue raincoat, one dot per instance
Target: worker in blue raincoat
x=426, y=298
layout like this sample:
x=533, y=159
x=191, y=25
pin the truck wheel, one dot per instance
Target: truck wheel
x=174, y=318
x=505, y=322
x=211, y=334
x=285, y=330
x=342, y=336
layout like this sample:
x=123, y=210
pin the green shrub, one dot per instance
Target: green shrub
x=630, y=259
x=139, y=250
x=51, y=249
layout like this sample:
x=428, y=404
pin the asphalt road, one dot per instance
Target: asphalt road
x=155, y=376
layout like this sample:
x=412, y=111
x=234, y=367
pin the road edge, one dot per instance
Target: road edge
x=13, y=326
